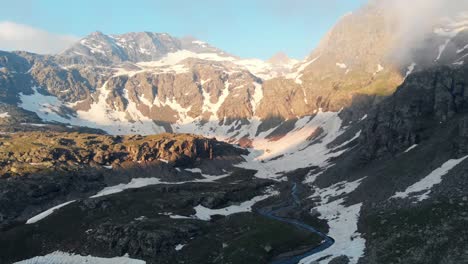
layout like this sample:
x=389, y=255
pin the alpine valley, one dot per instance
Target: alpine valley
x=146, y=148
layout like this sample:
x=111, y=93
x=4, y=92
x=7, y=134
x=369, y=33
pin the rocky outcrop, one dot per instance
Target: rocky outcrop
x=24, y=153
x=426, y=100
x=13, y=77
x=69, y=85
x=43, y=169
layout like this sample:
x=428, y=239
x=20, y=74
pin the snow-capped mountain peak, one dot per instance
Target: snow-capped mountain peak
x=102, y=49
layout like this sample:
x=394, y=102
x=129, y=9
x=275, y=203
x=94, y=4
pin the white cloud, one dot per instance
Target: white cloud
x=15, y=36
x=414, y=19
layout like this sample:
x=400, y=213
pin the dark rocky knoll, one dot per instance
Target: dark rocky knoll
x=39, y=170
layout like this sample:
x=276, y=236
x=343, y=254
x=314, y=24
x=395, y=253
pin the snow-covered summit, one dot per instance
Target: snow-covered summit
x=103, y=49
x=161, y=49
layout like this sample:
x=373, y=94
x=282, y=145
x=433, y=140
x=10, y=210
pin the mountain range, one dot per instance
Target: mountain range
x=372, y=129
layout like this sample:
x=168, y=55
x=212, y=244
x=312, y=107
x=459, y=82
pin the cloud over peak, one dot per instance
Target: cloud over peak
x=14, y=36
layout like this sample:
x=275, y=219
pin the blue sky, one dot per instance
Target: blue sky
x=255, y=28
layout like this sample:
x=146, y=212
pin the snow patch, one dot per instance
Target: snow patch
x=68, y=258
x=205, y=214
x=257, y=96
x=341, y=65
x=462, y=49
x=93, y=47
x=4, y=115
x=194, y=170
x=442, y=49
x=265, y=70
x=297, y=74
x=213, y=108
x=425, y=185
x=343, y=224
x=173, y=216
x=358, y=134
x=34, y=124
x=145, y=101
x=133, y=184
x=45, y=106
x=179, y=247
x=410, y=69
x=410, y=148
x=174, y=58
x=46, y=213
x=379, y=69
x=136, y=183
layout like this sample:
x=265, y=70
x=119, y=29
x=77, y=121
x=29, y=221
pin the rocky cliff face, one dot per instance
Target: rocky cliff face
x=426, y=100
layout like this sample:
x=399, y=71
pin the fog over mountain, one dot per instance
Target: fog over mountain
x=413, y=20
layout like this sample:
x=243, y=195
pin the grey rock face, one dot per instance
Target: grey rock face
x=13, y=77
x=426, y=99
x=13, y=62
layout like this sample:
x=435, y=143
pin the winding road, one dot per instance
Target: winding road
x=296, y=203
